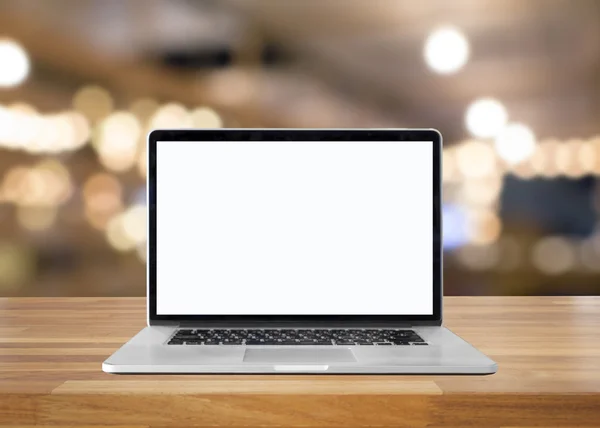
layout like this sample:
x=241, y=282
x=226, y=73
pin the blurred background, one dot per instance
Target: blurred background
x=513, y=85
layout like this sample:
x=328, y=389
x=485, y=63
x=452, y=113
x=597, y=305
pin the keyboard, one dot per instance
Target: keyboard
x=319, y=337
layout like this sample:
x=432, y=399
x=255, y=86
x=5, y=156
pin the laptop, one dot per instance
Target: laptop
x=295, y=251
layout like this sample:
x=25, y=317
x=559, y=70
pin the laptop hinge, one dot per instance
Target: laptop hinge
x=280, y=324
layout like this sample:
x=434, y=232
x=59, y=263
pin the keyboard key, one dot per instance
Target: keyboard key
x=293, y=337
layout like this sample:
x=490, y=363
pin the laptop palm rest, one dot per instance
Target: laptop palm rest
x=299, y=356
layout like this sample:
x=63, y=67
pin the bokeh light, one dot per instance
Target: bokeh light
x=58, y=181
x=117, y=236
x=479, y=257
x=144, y=108
x=93, y=102
x=515, y=143
x=484, y=227
x=205, y=117
x=475, y=159
x=134, y=223
x=567, y=159
x=74, y=120
x=589, y=256
x=171, y=116
x=103, y=198
x=554, y=255
x=587, y=157
x=36, y=218
x=446, y=50
x=142, y=163
x=80, y=127
x=232, y=87
x=142, y=252
x=481, y=193
x=14, y=63
x=449, y=168
x=46, y=184
x=117, y=141
x=455, y=226
x=486, y=117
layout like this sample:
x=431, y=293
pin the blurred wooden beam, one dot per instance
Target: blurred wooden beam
x=43, y=97
x=71, y=56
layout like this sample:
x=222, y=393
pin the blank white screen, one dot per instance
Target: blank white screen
x=294, y=228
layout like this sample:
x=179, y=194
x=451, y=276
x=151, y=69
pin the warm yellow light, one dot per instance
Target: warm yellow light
x=15, y=132
x=449, y=168
x=8, y=128
x=486, y=117
x=101, y=184
x=553, y=255
x=117, y=236
x=142, y=252
x=171, y=116
x=22, y=128
x=144, y=108
x=524, y=170
x=93, y=102
x=15, y=65
x=484, y=227
x=539, y=160
x=143, y=162
x=566, y=159
x=35, y=190
x=59, y=186
x=36, y=218
x=80, y=127
x=24, y=108
x=446, y=50
x=47, y=184
x=13, y=185
x=134, y=223
x=25, y=126
x=589, y=255
x=587, y=157
x=65, y=135
x=481, y=193
x=103, y=197
x=479, y=257
x=117, y=143
x=205, y=117
x=543, y=159
x=515, y=143
x=232, y=87
x=475, y=159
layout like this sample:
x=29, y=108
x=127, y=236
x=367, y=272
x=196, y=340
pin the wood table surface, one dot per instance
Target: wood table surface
x=547, y=349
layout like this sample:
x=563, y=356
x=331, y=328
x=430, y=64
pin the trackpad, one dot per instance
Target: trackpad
x=299, y=356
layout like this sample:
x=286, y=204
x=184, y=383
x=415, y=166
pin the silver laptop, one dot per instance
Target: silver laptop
x=295, y=251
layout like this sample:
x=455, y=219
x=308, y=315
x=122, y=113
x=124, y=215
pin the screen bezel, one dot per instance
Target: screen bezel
x=428, y=135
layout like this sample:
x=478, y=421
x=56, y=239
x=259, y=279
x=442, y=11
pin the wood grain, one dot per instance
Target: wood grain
x=547, y=348
x=287, y=386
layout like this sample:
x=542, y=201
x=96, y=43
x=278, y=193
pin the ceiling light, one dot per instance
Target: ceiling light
x=15, y=63
x=515, y=143
x=485, y=118
x=446, y=50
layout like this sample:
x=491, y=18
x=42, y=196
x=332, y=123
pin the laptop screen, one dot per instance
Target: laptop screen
x=294, y=228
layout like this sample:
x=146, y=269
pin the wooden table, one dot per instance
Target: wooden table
x=547, y=348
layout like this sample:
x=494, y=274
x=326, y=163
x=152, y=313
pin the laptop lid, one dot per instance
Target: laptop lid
x=300, y=227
